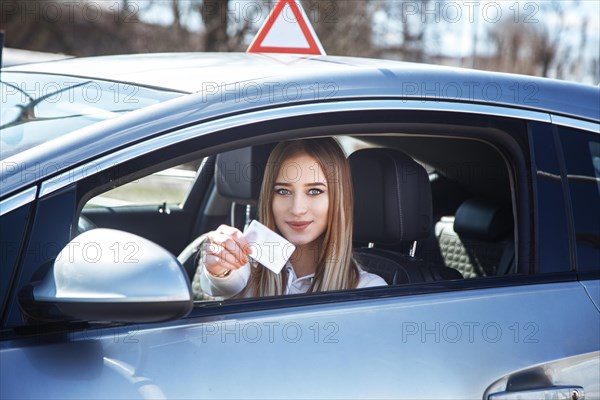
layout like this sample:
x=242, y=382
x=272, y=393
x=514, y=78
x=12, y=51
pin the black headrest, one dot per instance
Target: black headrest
x=478, y=219
x=392, y=197
x=239, y=173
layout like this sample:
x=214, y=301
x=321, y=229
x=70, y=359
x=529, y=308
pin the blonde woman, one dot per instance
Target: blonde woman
x=306, y=196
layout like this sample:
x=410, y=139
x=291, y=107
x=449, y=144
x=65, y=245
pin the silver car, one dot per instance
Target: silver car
x=111, y=167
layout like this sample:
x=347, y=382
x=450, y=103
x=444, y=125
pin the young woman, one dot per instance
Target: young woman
x=306, y=197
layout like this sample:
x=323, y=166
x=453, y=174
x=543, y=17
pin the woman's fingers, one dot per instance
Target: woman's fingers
x=226, y=248
x=236, y=235
x=217, y=265
x=232, y=240
x=228, y=245
x=222, y=254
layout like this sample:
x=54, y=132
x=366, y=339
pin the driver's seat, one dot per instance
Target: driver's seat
x=238, y=178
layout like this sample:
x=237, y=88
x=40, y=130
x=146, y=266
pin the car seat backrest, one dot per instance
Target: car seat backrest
x=392, y=197
x=478, y=240
x=238, y=177
x=392, y=204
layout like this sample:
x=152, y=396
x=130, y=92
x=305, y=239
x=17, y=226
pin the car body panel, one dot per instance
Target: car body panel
x=365, y=349
x=593, y=290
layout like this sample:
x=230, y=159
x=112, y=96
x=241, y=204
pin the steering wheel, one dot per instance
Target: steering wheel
x=189, y=256
x=85, y=224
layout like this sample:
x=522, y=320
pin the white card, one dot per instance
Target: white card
x=267, y=247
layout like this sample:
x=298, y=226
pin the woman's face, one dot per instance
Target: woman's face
x=301, y=201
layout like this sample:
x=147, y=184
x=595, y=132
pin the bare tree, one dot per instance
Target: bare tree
x=410, y=24
x=344, y=27
x=533, y=48
x=215, y=18
x=176, y=9
x=88, y=28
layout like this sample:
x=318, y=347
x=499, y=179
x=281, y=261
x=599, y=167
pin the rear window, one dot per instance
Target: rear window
x=37, y=108
x=582, y=158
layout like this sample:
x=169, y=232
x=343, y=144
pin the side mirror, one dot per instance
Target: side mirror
x=113, y=276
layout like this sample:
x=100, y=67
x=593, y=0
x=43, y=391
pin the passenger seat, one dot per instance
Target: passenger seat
x=478, y=241
x=392, y=205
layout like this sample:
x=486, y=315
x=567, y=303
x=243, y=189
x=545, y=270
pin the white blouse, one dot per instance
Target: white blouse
x=237, y=280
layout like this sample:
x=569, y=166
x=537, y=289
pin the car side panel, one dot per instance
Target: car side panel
x=593, y=290
x=442, y=345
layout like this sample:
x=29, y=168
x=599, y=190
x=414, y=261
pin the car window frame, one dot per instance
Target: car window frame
x=239, y=131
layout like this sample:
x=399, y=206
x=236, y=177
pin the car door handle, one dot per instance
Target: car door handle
x=563, y=392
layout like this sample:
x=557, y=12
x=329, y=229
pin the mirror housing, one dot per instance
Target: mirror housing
x=112, y=276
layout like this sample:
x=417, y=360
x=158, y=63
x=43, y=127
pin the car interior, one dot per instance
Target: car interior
x=427, y=208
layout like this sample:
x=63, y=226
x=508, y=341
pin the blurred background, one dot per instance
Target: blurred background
x=556, y=39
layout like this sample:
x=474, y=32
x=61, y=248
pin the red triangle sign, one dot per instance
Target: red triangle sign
x=287, y=30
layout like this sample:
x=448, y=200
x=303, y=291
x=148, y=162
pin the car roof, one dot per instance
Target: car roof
x=195, y=72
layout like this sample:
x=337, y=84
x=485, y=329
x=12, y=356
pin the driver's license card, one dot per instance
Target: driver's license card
x=267, y=247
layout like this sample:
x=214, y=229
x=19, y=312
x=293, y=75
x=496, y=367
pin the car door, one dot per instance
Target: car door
x=505, y=335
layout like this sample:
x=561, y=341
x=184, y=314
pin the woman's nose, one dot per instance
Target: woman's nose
x=299, y=205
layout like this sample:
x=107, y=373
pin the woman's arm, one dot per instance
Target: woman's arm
x=223, y=287
x=223, y=270
x=366, y=279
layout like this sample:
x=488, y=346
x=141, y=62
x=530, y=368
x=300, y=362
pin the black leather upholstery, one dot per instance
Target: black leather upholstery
x=397, y=269
x=238, y=176
x=392, y=197
x=239, y=173
x=392, y=205
x=477, y=219
x=478, y=240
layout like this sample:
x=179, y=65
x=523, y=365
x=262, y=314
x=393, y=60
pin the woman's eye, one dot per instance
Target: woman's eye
x=283, y=192
x=315, y=192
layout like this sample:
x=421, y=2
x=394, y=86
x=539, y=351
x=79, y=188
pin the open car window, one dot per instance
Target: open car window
x=471, y=230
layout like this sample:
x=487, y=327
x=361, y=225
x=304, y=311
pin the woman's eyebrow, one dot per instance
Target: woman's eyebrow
x=316, y=184
x=287, y=184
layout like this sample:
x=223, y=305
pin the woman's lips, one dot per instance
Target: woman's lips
x=298, y=226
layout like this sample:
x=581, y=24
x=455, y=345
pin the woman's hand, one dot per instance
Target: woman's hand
x=225, y=250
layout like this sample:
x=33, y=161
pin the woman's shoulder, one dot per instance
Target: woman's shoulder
x=367, y=279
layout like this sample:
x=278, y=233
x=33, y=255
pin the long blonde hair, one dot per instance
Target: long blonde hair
x=336, y=269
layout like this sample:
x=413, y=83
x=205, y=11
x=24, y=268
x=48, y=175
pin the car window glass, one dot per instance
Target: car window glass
x=169, y=186
x=37, y=108
x=582, y=159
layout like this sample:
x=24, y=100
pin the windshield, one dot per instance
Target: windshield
x=37, y=108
